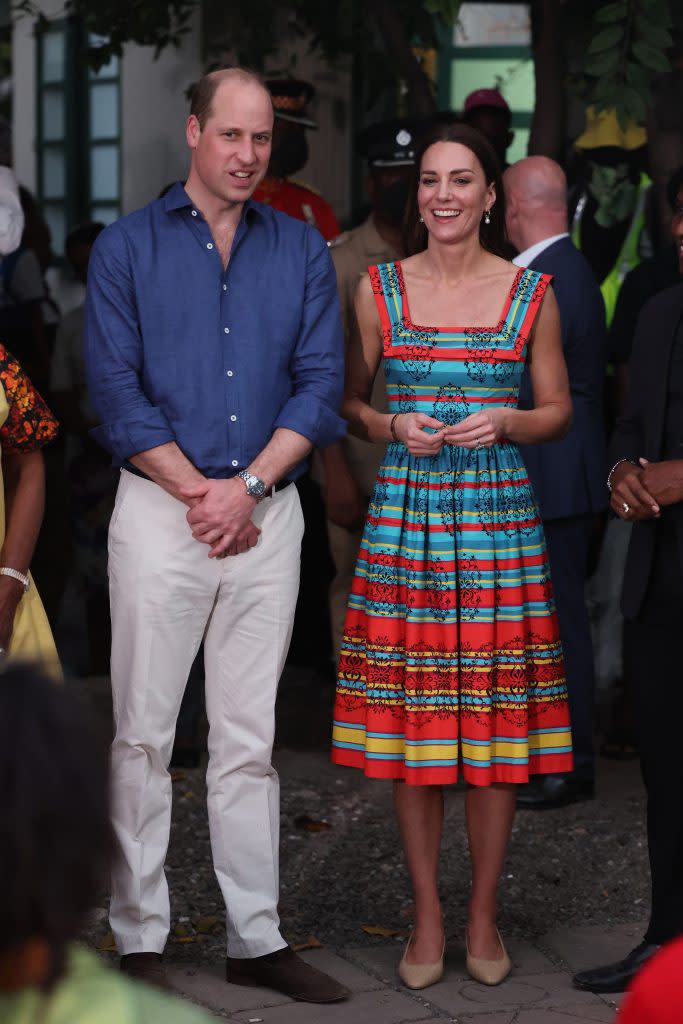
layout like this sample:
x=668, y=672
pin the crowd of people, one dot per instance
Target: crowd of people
x=427, y=404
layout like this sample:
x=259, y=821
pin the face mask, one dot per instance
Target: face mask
x=391, y=202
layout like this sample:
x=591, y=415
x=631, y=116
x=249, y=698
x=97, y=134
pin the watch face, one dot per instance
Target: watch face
x=257, y=487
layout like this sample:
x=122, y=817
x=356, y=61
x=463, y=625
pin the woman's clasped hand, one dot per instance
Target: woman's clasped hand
x=424, y=435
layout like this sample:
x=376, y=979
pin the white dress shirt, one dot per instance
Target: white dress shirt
x=530, y=254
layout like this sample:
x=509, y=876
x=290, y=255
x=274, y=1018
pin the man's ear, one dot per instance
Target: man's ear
x=192, y=131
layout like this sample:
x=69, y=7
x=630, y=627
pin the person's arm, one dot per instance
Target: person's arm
x=365, y=354
x=631, y=499
x=552, y=413
x=663, y=480
x=344, y=502
x=28, y=426
x=308, y=418
x=131, y=427
x=24, y=480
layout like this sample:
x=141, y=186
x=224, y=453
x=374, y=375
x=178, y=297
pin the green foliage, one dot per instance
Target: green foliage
x=623, y=44
x=256, y=30
x=628, y=44
x=117, y=22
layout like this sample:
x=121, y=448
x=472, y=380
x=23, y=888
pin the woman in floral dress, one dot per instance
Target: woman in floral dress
x=451, y=664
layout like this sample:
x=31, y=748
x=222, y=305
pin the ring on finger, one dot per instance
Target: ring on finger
x=479, y=444
x=625, y=508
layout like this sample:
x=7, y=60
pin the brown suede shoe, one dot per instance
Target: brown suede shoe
x=147, y=967
x=286, y=972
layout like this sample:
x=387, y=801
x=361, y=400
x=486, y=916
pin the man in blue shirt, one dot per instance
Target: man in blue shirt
x=214, y=353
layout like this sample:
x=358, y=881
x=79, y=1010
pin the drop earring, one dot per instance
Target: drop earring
x=421, y=219
x=487, y=217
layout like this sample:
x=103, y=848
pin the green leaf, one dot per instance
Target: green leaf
x=612, y=12
x=635, y=103
x=602, y=63
x=607, y=39
x=637, y=76
x=651, y=58
x=654, y=35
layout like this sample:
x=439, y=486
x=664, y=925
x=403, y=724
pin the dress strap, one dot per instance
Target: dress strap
x=387, y=287
x=525, y=301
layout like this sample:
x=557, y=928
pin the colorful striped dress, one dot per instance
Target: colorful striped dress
x=451, y=659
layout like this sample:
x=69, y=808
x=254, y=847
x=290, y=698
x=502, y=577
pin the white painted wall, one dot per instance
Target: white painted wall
x=24, y=101
x=154, y=109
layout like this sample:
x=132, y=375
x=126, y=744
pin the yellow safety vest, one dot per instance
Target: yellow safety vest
x=629, y=255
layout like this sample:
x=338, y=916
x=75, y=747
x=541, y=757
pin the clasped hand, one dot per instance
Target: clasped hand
x=640, y=492
x=220, y=516
x=478, y=430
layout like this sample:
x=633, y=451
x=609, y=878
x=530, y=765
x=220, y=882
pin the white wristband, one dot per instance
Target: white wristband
x=16, y=575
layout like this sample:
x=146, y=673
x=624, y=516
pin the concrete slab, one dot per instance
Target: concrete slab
x=489, y=1018
x=343, y=970
x=383, y=961
x=519, y=991
x=590, y=946
x=566, y=1015
x=207, y=986
x=383, y=1007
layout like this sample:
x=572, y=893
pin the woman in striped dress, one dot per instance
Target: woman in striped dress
x=451, y=663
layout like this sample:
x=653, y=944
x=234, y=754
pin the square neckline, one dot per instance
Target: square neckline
x=473, y=328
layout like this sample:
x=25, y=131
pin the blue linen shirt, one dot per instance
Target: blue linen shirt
x=179, y=349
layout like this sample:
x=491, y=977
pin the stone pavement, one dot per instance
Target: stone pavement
x=585, y=863
x=538, y=991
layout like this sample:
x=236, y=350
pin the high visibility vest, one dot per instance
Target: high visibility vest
x=629, y=254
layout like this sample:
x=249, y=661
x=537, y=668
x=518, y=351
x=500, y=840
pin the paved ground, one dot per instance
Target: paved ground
x=574, y=893
x=537, y=992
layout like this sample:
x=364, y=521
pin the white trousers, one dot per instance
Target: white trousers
x=166, y=595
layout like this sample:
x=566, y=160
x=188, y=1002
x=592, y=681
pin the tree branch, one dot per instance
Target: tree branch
x=420, y=95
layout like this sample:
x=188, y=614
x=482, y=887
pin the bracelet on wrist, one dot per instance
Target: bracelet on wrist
x=615, y=466
x=20, y=577
x=392, y=426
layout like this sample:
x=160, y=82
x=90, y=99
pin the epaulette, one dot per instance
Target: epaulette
x=339, y=240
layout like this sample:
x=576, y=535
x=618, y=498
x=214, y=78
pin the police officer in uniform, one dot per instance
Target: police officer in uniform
x=350, y=467
x=290, y=98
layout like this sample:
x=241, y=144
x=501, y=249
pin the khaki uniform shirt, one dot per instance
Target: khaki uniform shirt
x=352, y=253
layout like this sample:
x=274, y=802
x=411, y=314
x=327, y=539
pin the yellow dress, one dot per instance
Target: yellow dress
x=26, y=424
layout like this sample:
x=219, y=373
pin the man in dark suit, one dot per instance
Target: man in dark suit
x=646, y=481
x=567, y=475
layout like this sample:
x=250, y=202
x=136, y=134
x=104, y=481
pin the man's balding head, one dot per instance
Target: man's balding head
x=207, y=86
x=536, y=200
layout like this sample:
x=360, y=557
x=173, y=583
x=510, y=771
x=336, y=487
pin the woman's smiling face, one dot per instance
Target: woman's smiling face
x=453, y=194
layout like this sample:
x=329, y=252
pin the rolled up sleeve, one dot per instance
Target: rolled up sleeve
x=130, y=423
x=317, y=365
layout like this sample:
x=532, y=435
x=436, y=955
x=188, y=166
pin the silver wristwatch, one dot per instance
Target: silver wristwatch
x=254, y=485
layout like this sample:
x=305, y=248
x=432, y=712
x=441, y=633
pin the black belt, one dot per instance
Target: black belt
x=279, y=486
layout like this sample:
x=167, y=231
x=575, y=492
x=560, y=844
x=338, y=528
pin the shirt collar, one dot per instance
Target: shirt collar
x=530, y=254
x=177, y=199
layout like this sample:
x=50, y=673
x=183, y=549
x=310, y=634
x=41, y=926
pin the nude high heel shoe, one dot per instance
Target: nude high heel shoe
x=488, y=972
x=420, y=975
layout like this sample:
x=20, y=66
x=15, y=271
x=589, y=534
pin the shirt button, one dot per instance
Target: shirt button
x=209, y=245
x=235, y=462
x=226, y=330
x=194, y=213
x=225, y=287
x=229, y=373
x=233, y=418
